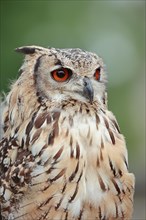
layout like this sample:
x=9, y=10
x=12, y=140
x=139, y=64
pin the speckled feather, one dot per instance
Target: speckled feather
x=61, y=156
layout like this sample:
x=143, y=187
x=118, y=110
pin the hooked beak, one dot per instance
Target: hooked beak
x=88, y=89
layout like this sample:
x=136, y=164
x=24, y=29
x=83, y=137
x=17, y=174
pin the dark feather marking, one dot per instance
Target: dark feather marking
x=77, y=151
x=104, y=99
x=126, y=162
x=101, y=156
x=59, y=203
x=102, y=144
x=5, y=127
x=30, y=124
x=14, y=142
x=6, y=118
x=17, y=129
x=97, y=162
x=116, y=125
x=74, y=173
x=71, y=149
x=29, y=127
x=116, y=210
x=120, y=172
x=40, y=119
x=55, y=131
x=120, y=199
x=66, y=216
x=106, y=123
x=102, y=185
x=112, y=167
x=131, y=200
x=45, y=188
x=81, y=214
x=100, y=215
x=27, y=141
x=43, y=216
x=37, y=64
x=36, y=135
x=80, y=176
x=63, y=119
x=39, y=97
x=14, y=176
x=22, y=143
x=3, y=140
x=53, y=134
x=48, y=119
x=46, y=202
x=112, y=136
x=59, y=175
x=64, y=106
x=56, y=128
x=64, y=187
x=88, y=111
x=58, y=154
x=109, y=131
x=56, y=115
x=40, y=153
x=74, y=195
x=116, y=186
x=123, y=191
x=22, y=154
x=97, y=120
x=50, y=170
x=51, y=138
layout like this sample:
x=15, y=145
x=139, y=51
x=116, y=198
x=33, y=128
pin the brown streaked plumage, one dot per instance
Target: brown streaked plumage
x=62, y=155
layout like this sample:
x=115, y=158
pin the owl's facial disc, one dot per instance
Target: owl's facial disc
x=61, y=79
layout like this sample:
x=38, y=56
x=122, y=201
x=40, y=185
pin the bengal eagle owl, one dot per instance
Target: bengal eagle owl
x=62, y=155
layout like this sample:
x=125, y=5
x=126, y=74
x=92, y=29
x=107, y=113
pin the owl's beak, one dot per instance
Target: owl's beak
x=88, y=89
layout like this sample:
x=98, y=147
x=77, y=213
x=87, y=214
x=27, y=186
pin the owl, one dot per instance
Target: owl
x=62, y=155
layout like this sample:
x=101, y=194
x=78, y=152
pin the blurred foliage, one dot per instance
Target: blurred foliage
x=115, y=30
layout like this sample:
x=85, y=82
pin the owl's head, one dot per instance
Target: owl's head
x=64, y=74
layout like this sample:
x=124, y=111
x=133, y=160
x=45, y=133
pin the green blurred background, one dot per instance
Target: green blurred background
x=115, y=30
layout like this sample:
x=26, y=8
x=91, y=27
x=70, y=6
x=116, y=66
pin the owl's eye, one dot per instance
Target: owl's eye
x=97, y=74
x=61, y=75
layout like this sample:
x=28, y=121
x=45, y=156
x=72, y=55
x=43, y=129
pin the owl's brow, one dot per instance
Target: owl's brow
x=58, y=62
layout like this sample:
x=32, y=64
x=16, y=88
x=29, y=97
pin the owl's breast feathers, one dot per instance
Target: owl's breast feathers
x=67, y=162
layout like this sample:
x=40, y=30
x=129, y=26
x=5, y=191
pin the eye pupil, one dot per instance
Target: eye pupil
x=60, y=73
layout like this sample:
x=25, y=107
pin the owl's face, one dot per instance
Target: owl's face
x=62, y=74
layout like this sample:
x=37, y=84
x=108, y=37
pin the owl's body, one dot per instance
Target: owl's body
x=62, y=155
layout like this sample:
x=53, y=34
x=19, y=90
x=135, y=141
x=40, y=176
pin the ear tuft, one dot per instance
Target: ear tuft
x=26, y=49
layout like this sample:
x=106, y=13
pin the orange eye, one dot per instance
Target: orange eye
x=61, y=75
x=97, y=74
